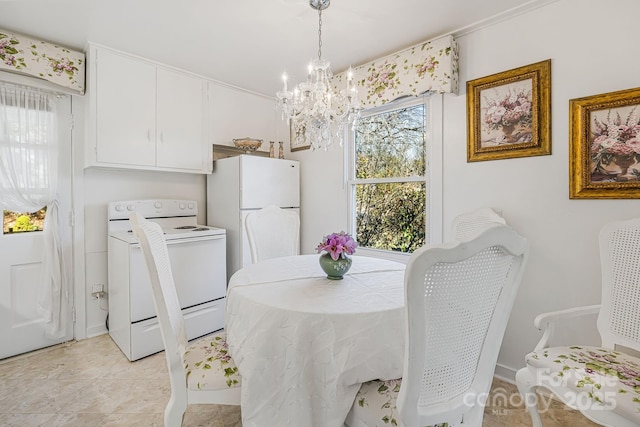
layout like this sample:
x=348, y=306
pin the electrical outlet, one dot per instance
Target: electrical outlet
x=97, y=290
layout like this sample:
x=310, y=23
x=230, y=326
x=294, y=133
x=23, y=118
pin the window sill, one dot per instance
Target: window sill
x=388, y=255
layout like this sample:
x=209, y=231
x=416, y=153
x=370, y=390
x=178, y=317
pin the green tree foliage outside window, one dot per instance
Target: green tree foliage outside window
x=390, y=157
x=16, y=222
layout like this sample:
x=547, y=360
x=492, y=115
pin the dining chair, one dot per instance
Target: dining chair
x=273, y=232
x=602, y=382
x=458, y=298
x=468, y=225
x=201, y=371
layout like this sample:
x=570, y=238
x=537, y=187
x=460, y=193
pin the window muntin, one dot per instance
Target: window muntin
x=388, y=185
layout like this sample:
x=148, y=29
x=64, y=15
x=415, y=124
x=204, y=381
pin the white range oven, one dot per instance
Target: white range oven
x=198, y=261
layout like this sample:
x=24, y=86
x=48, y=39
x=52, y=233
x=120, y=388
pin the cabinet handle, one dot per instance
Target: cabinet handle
x=148, y=135
x=161, y=138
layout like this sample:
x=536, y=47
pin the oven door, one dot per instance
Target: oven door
x=199, y=271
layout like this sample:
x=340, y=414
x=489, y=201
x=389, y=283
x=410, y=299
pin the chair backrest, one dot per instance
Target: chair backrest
x=468, y=225
x=459, y=297
x=165, y=296
x=620, y=269
x=273, y=232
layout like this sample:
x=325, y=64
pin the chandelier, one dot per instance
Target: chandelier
x=317, y=112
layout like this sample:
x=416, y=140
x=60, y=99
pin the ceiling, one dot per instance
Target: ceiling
x=249, y=43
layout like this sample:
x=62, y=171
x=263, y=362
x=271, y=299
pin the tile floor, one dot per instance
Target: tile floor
x=91, y=383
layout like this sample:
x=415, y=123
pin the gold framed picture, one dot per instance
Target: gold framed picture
x=604, y=146
x=509, y=114
x=298, y=140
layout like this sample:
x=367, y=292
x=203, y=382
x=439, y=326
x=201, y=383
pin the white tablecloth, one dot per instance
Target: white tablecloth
x=304, y=344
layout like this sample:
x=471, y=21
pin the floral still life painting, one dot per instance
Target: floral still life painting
x=605, y=146
x=298, y=136
x=615, y=145
x=509, y=114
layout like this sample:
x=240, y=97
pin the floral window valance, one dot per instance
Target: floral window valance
x=24, y=55
x=425, y=67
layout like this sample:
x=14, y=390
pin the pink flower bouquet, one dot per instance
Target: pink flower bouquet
x=613, y=137
x=338, y=245
x=513, y=109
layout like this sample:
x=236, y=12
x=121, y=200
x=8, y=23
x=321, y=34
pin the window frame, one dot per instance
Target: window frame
x=433, y=104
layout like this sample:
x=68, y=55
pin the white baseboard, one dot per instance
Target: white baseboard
x=505, y=373
x=94, y=331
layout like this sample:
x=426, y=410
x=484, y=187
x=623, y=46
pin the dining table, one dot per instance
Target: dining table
x=304, y=343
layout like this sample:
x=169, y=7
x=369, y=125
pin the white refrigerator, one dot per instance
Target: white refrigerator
x=242, y=184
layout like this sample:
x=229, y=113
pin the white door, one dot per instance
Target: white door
x=265, y=181
x=22, y=328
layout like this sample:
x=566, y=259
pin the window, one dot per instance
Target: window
x=27, y=128
x=388, y=185
x=16, y=222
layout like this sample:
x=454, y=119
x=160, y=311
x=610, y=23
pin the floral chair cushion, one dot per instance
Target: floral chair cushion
x=208, y=364
x=375, y=405
x=595, y=377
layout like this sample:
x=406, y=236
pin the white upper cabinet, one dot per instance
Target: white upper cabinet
x=125, y=99
x=180, y=120
x=144, y=115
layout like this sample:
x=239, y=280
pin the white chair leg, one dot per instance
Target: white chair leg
x=174, y=411
x=474, y=417
x=526, y=387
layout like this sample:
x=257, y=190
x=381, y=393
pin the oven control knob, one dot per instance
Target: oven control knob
x=158, y=205
x=190, y=205
x=131, y=208
x=119, y=208
x=181, y=205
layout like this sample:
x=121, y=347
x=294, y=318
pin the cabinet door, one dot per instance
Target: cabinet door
x=180, y=131
x=126, y=112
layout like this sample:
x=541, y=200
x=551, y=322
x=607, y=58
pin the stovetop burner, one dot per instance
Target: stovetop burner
x=185, y=227
x=201, y=229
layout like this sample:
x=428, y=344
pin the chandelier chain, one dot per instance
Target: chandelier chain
x=317, y=109
x=319, y=33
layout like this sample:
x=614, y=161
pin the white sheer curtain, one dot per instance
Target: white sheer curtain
x=29, y=181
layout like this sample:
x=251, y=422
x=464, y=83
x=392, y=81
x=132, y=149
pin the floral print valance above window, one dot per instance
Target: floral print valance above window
x=425, y=67
x=24, y=55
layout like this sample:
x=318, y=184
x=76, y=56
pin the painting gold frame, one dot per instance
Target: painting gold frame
x=604, y=146
x=509, y=114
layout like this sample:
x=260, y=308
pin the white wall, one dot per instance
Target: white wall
x=323, y=207
x=240, y=114
x=590, y=54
